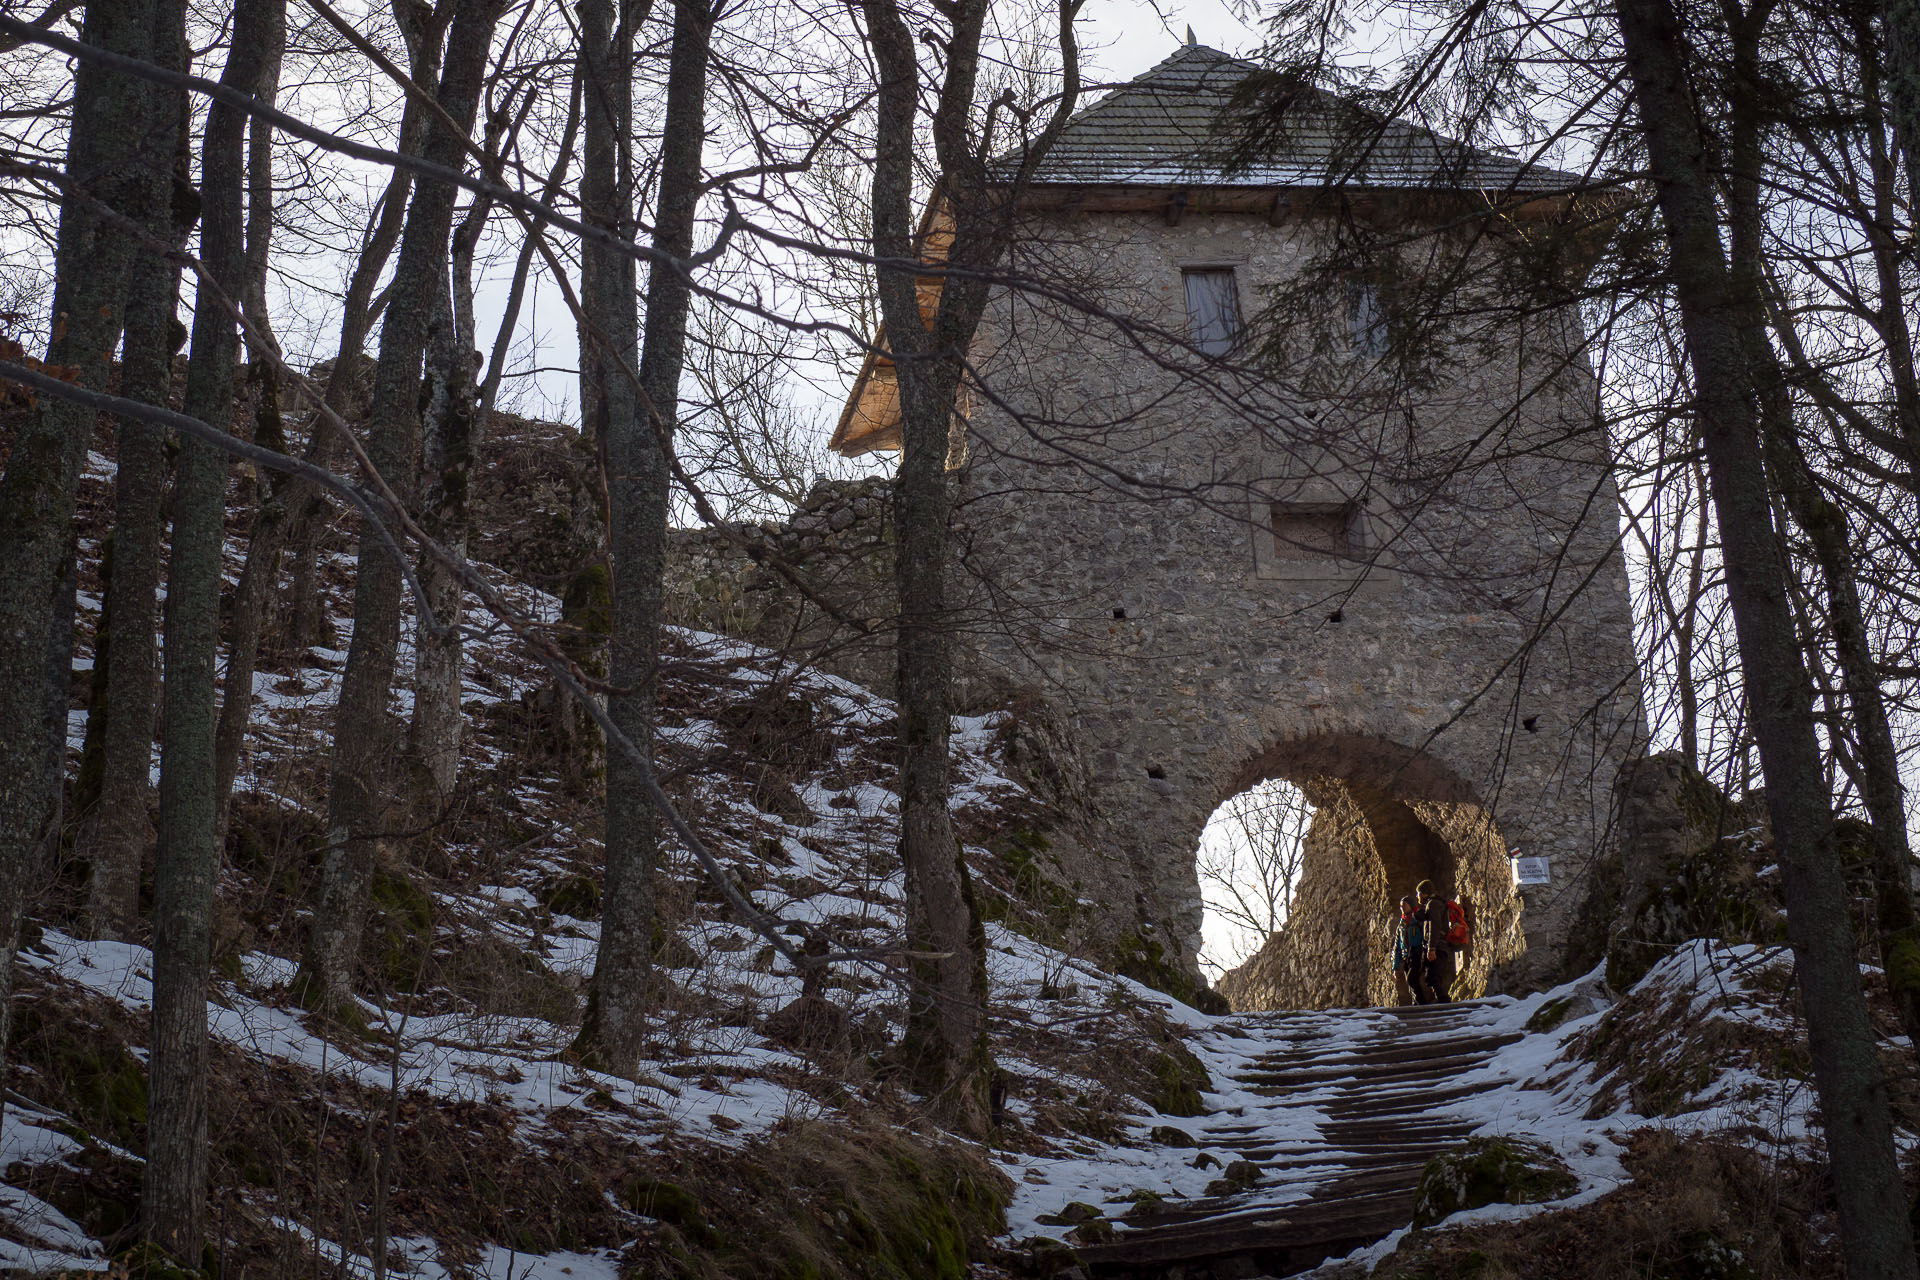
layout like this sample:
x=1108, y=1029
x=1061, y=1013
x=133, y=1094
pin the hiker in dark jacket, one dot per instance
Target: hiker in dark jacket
x=1436, y=969
x=1407, y=955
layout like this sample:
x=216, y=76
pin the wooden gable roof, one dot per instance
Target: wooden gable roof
x=871, y=418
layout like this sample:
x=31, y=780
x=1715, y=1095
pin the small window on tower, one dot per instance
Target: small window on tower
x=1213, y=309
x=1316, y=530
x=1366, y=319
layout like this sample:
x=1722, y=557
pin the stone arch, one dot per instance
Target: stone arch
x=1386, y=817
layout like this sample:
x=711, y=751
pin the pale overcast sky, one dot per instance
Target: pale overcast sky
x=1125, y=37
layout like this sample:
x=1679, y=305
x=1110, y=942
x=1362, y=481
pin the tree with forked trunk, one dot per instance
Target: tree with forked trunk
x=945, y=1046
x=116, y=834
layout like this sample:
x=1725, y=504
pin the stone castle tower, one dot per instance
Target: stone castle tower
x=1229, y=523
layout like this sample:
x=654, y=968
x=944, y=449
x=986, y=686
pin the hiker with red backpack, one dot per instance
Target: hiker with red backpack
x=1443, y=934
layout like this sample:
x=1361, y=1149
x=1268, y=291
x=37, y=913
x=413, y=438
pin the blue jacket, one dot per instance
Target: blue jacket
x=1406, y=941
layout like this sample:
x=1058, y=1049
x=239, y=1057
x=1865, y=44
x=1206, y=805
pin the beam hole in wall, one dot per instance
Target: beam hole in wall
x=1300, y=870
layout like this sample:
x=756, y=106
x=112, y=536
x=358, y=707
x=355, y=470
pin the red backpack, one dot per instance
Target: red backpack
x=1457, y=932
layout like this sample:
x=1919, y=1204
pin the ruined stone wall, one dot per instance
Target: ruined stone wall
x=1365, y=850
x=832, y=609
x=818, y=586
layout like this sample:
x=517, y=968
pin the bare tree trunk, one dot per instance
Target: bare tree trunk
x=120, y=825
x=361, y=809
x=1685, y=633
x=107, y=149
x=249, y=607
x=945, y=1045
x=1825, y=525
x=292, y=509
x=1852, y=1088
x=85, y=797
x=263, y=377
x=253, y=295
x=447, y=456
x=57, y=681
x=173, y=1199
x=636, y=475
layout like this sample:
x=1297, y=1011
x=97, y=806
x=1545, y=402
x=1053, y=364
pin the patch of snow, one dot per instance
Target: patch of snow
x=25, y=1140
x=50, y=1240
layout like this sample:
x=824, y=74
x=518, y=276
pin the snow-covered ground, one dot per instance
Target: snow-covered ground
x=715, y=1082
x=714, y=1079
x=1567, y=1087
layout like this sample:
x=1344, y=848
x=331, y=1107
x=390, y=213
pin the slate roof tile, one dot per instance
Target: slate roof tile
x=1160, y=130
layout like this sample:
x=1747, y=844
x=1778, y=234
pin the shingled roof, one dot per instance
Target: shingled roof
x=1161, y=130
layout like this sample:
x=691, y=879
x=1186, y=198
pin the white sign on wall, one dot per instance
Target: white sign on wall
x=1531, y=871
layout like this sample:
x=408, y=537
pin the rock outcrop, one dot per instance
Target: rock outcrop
x=1692, y=864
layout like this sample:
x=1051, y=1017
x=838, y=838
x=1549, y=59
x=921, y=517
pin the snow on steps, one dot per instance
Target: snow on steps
x=1341, y=1110
x=1386, y=1081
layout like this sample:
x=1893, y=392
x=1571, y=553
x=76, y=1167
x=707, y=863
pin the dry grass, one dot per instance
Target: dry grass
x=1697, y=1209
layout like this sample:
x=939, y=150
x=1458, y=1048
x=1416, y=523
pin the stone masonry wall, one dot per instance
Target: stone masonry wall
x=1479, y=636
x=1364, y=850
x=830, y=608
x=1331, y=952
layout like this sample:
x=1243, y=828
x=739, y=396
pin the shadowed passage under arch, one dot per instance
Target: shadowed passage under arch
x=1386, y=817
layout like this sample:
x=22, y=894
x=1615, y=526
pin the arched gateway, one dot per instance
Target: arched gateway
x=1386, y=817
x=1404, y=595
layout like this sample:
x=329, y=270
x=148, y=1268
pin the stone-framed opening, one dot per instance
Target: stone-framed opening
x=1248, y=866
x=1385, y=817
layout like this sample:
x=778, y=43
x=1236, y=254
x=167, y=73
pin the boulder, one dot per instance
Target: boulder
x=1484, y=1171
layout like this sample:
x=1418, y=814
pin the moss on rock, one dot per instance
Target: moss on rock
x=918, y=1229
x=1550, y=1015
x=576, y=895
x=403, y=937
x=1713, y=894
x=1239, y=1176
x=1075, y=1213
x=876, y=1204
x=1179, y=1078
x=672, y=1204
x=1903, y=963
x=1145, y=961
x=92, y=1074
x=1484, y=1171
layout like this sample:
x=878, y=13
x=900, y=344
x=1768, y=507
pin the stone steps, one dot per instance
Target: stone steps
x=1344, y=1155
x=1385, y=1081
x=1411, y=1049
x=1395, y=1073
